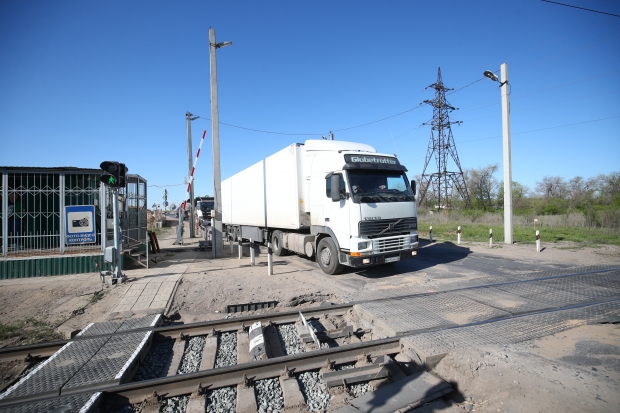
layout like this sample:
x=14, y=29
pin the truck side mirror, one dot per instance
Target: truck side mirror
x=413, y=188
x=335, y=187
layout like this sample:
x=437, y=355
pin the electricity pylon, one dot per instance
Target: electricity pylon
x=440, y=145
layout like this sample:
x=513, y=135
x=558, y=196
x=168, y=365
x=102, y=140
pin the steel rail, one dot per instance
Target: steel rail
x=173, y=331
x=232, y=324
x=182, y=384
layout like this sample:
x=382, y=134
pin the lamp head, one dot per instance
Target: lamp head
x=491, y=75
x=223, y=44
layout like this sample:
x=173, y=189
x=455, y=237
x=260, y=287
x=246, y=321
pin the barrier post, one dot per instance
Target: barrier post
x=537, y=241
x=251, y=252
x=430, y=234
x=230, y=243
x=240, y=249
x=491, y=237
x=459, y=236
x=269, y=259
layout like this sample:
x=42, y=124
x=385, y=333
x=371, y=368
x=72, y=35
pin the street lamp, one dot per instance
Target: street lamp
x=218, y=247
x=508, y=239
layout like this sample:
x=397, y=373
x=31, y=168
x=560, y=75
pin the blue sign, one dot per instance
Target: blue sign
x=80, y=227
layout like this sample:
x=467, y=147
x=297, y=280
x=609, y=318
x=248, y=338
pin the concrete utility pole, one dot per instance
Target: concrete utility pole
x=218, y=247
x=508, y=239
x=192, y=229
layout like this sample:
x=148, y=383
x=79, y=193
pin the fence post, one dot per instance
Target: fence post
x=537, y=240
x=430, y=234
x=251, y=252
x=63, y=223
x=459, y=236
x=491, y=237
x=269, y=259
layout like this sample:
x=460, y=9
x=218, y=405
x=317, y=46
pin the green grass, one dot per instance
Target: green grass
x=29, y=331
x=522, y=235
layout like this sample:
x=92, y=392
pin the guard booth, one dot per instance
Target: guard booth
x=59, y=220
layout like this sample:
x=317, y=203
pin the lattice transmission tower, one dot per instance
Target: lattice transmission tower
x=441, y=144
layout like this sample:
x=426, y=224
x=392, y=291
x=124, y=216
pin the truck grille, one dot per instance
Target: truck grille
x=388, y=226
x=383, y=245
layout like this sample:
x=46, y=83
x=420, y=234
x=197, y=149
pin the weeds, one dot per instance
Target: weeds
x=96, y=297
x=29, y=331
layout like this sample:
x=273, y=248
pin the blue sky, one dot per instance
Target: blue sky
x=83, y=82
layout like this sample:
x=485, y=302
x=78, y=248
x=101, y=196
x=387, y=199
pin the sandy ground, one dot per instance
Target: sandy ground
x=546, y=371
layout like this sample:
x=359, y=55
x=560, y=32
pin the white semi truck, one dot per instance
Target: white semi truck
x=341, y=202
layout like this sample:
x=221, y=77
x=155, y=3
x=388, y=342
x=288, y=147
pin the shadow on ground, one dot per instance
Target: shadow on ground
x=429, y=255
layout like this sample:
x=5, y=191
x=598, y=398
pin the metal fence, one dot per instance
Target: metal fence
x=32, y=213
x=133, y=213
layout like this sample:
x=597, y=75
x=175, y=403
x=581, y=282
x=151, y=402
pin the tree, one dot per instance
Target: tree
x=552, y=187
x=519, y=194
x=482, y=186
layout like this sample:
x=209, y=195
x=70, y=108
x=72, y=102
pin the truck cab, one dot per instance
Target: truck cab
x=362, y=206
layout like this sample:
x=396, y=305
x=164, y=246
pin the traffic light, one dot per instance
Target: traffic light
x=122, y=175
x=111, y=174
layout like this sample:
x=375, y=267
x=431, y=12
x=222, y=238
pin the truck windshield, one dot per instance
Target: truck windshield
x=379, y=186
x=206, y=206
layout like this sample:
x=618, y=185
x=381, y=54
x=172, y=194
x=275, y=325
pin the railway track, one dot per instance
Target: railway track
x=304, y=357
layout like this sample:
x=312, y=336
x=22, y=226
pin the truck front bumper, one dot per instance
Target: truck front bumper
x=377, y=259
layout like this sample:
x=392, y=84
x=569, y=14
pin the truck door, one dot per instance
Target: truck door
x=337, y=213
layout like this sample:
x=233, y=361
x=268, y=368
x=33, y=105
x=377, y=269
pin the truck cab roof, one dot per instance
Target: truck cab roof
x=341, y=146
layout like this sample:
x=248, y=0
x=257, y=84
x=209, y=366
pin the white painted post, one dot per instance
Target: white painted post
x=459, y=236
x=230, y=243
x=430, y=234
x=240, y=249
x=269, y=259
x=537, y=240
x=505, y=90
x=491, y=237
x=251, y=252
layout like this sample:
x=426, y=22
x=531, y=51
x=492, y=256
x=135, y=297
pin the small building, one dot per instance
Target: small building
x=38, y=236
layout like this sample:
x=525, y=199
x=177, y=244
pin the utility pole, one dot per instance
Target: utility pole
x=218, y=247
x=192, y=229
x=508, y=239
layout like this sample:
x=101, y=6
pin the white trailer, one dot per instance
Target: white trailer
x=369, y=219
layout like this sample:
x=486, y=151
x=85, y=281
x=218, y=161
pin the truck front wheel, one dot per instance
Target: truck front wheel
x=277, y=244
x=327, y=256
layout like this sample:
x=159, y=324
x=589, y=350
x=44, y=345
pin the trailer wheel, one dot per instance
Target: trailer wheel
x=277, y=244
x=327, y=257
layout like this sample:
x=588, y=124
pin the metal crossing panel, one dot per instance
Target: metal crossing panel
x=86, y=362
x=80, y=403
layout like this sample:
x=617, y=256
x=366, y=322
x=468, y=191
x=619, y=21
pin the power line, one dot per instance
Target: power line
x=165, y=186
x=315, y=134
x=544, y=106
x=376, y=121
x=581, y=8
x=538, y=130
x=567, y=84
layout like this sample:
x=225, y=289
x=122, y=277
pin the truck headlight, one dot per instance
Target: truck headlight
x=413, y=238
x=363, y=245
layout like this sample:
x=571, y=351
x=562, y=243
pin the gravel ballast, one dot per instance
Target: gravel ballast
x=192, y=355
x=287, y=333
x=269, y=396
x=222, y=400
x=226, y=350
x=314, y=390
x=155, y=361
x=175, y=405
